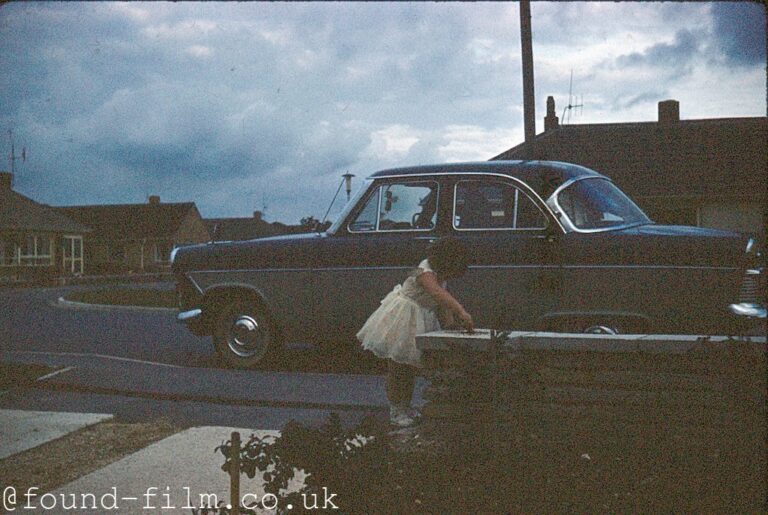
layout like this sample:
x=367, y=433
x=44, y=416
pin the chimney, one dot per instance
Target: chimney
x=257, y=216
x=154, y=199
x=6, y=181
x=551, y=121
x=669, y=111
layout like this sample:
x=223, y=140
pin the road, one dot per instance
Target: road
x=136, y=363
x=32, y=321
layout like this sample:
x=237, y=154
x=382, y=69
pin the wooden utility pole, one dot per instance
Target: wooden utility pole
x=529, y=99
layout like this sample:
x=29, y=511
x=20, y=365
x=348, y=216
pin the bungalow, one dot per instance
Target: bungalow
x=137, y=237
x=36, y=241
x=708, y=173
x=235, y=229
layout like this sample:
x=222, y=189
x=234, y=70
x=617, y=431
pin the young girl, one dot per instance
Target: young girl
x=413, y=308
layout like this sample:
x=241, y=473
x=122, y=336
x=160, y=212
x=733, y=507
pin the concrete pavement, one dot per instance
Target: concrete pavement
x=173, y=475
x=22, y=430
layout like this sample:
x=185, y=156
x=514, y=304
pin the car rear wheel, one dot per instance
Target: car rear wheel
x=244, y=336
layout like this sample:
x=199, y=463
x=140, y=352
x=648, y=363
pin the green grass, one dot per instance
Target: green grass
x=143, y=297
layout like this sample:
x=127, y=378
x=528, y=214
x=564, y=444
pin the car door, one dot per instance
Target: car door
x=384, y=238
x=514, y=276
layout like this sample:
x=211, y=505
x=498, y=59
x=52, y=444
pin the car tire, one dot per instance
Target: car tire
x=244, y=336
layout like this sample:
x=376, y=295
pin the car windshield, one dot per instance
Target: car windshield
x=348, y=207
x=596, y=203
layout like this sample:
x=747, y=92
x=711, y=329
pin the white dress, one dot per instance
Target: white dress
x=390, y=332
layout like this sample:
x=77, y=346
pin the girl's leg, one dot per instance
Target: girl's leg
x=400, y=381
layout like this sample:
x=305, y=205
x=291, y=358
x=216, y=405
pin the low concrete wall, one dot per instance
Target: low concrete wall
x=579, y=423
x=568, y=382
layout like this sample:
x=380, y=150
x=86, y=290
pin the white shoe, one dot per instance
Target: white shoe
x=414, y=413
x=398, y=416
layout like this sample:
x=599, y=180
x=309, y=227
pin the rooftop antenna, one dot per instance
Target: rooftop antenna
x=12, y=157
x=571, y=105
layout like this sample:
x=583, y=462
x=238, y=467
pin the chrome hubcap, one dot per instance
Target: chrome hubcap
x=245, y=338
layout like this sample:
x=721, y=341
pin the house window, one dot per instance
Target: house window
x=72, y=254
x=36, y=251
x=7, y=252
x=163, y=252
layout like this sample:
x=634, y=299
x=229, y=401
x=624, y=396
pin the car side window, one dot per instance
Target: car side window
x=404, y=206
x=488, y=204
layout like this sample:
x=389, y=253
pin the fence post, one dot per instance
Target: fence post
x=234, y=475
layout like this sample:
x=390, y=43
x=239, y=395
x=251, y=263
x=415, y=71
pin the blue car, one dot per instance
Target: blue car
x=554, y=246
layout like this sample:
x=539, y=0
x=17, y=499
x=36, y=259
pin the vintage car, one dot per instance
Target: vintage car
x=554, y=246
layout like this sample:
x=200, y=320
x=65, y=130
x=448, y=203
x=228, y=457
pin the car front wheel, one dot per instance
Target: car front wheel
x=243, y=335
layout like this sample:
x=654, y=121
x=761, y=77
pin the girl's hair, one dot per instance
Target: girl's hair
x=448, y=257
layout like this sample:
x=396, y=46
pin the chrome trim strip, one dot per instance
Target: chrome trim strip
x=187, y=316
x=748, y=309
x=556, y=207
x=671, y=267
x=194, y=283
x=172, y=257
x=506, y=229
x=241, y=270
x=476, y=267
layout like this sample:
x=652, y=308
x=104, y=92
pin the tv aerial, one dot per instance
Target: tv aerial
x=571, y=106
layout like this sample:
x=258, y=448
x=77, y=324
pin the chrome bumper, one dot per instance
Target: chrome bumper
x=748, y=309
x=195, y=314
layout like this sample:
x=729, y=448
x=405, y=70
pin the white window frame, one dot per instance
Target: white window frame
x=35, y=258
x=69, y=263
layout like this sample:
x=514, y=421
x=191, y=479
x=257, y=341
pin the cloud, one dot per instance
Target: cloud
x=739, y=30
x=681, y=51
x=199, y=51
x=240, y=105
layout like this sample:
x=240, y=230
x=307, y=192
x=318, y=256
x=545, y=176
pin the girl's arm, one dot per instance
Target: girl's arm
x=428, y=281
x=446, y=318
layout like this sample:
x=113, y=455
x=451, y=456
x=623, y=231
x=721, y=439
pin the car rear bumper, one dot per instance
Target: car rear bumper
x=748, y=310
x=190, y=316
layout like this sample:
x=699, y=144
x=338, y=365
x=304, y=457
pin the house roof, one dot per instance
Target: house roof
x=131, y=221
x=236, y=229
x=19, y=213
x=695, y=158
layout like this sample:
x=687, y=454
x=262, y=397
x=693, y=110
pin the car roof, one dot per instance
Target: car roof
x=543, y=176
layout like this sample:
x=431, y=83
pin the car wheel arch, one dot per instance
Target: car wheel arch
x=218, y=297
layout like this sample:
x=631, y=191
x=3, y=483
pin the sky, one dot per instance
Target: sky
x=263, y=106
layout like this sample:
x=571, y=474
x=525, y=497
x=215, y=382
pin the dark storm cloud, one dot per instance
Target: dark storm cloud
x=250, y=97
x=739, y=29
x=238, y=105
x=678, y=53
